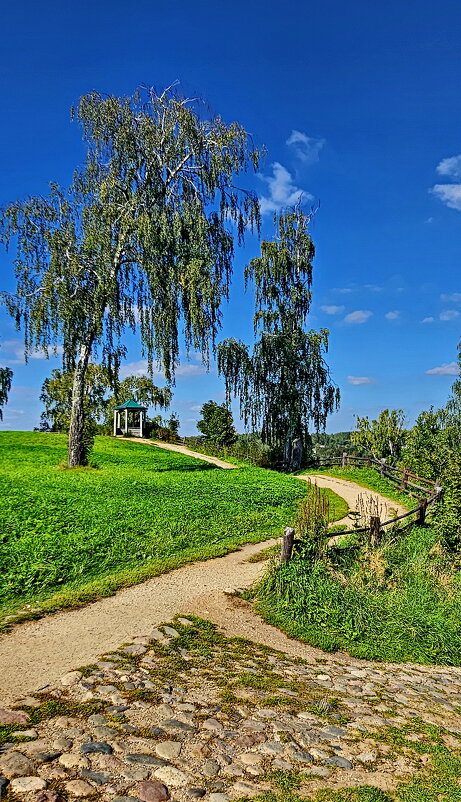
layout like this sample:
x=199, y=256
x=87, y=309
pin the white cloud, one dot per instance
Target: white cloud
x=332, y=309
x=427, y=320
x=449, y=194
x=183, y=371
x=453, y=297
x=373, y=287
x=450, y=369
x=307, y=148
x=342, y=290
x=13, y=352
x=449, y=314
x=357, y=380
x=359, y=316
x=450, y=166
x=282, y=191
x=392, y=315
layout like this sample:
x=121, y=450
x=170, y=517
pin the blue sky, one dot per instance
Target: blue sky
x=358, y=105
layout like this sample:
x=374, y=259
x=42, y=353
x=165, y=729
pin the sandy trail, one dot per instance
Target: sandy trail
x=183, y=450
x=37, y=653
x=350, y=492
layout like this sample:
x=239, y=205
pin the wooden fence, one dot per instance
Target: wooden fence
x=401, y=476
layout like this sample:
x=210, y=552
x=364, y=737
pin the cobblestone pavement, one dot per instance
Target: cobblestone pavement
x=186, y=713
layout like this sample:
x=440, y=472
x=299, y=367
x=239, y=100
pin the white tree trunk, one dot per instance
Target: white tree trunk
x=77, y=418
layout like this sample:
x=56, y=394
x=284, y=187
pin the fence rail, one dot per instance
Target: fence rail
x=401, y=476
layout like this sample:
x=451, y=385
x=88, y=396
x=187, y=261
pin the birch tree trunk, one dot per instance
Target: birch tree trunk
x=77, y=455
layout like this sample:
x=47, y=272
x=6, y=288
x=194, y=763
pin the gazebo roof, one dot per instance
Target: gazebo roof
x=130, y=404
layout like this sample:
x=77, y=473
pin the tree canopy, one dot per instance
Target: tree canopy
x=217, y=425
x=144, y=236
x=284, y=385
x=383, y=437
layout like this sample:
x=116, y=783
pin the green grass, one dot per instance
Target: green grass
x=398, y=602
x=68, y=537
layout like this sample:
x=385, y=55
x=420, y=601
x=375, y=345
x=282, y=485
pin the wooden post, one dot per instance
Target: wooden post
x=126, y=421
x=404, y=479
x=375, y=527
x=422, y=512
x=344, y=460
x=383, y=466
x=287, y=544
x=370, y=462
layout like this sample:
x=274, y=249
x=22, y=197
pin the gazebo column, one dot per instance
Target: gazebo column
x=126, y=421
x=141, y=422
x=116, y=413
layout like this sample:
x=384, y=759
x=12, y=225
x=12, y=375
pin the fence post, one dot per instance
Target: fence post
x=422, y=511
x=344, y=460
x=369, y=461
x=383, y=466
x=404, y=479
x=375, y=527
x=287, y=544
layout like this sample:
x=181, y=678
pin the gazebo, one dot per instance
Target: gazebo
x=129, y=407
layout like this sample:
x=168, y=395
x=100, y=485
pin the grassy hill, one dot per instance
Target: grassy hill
x=69, y=536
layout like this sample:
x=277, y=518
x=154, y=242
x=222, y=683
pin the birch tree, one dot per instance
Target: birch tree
x=142, y=238
x=284, y=384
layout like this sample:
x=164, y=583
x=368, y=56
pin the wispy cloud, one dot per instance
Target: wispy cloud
x=184, y=371
x=359, y=316
x=450, y=167
x=392, y=315
x=306, y=148
x=342, y=290
x=357, y=380
x=449, y=194
x=12, y=351
x=451, y=297
x=283, y=191
x=449, y=314
x=331, y=309
x=428, y=320
x=447, y=369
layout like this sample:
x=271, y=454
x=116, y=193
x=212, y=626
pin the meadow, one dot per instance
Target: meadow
x=69, y=536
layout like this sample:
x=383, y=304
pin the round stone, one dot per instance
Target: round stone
x=152, y=791
x=71, y=678
x=168, y=749
x=79, y=788
x=196, y=793
x=171, y=776
x=15, y=764
x=24, y=785
x=4, y=783
x=96, y=746
x=13, y=717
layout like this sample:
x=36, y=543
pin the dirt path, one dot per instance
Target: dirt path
x=183, y=450
x=350, y=492
x=37, y=653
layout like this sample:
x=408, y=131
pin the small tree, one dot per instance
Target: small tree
x=383, y=437
x=217, y=425
x=284, y=385
x=6, y=377
x=56, y=396
x=142, y=235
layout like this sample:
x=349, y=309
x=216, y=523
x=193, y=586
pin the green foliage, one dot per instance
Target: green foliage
x=398, y=602
x=56, y=396
x=425, y=452
x=247, y=448
x=6, y=376
x=384, y=437
x=217, y=425
x=285, y=384
x=145, y=509
x=142, y=238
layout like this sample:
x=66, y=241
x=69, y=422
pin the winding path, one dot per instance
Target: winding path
x=37, y=653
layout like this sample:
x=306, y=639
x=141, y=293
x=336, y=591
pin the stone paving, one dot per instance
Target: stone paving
x=185, y=713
